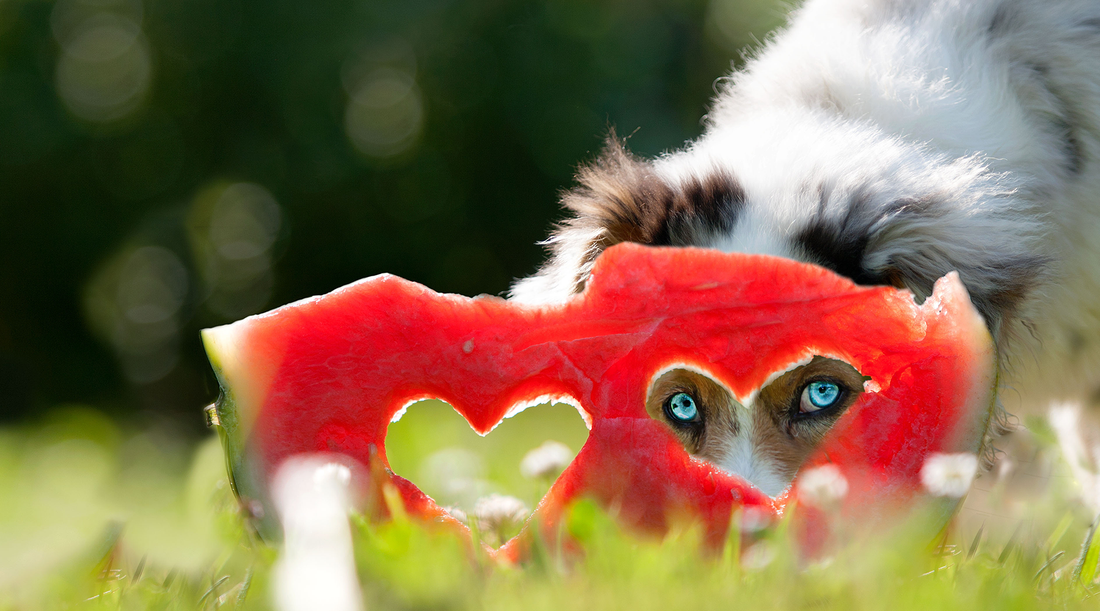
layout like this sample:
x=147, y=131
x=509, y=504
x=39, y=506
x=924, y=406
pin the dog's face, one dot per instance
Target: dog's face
x=766, y=438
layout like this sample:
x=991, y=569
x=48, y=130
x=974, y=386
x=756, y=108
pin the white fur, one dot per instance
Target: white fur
x=743, y=458
x=920, y=95
x=991, y=108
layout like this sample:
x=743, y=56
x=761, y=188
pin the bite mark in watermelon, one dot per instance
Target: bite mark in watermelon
x=328, y=374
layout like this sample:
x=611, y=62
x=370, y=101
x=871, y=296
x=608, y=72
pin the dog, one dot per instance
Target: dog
x=891, y=141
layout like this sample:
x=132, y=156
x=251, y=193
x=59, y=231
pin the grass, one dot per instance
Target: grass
x=97, y=517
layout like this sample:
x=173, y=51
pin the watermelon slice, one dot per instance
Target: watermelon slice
x=328, y=375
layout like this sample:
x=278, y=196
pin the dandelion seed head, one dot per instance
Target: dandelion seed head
x=498, y=512
x=1065, y=419
x=316, y=565
x=332, y=474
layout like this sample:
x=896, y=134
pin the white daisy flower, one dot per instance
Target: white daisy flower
x=949, y=474
x=756, y=519
x=546, y=461
x=822, y=486
x=758, y=557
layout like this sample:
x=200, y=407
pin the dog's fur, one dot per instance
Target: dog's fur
x=893, y=141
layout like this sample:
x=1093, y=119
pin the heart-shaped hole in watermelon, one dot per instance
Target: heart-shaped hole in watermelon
x=433, y=446
x=768, y=434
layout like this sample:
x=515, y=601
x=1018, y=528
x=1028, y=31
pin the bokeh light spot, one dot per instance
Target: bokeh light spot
x=152, y=285
x=233, y=229
x=391, y=52
x=385, y=114
x=244, y=222
x=736, y=24
x=135, y=302
x=70, y=17
x=105, y=69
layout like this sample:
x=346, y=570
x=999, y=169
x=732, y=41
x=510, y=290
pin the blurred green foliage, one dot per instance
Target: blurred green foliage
x=93, y=515
x=168, y=165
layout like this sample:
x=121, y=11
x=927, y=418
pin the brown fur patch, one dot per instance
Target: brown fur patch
x=623, y=199
x=780, y=433
x=718, y=417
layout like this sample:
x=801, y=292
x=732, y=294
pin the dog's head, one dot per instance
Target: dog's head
x=813, y=188
x=843, y=195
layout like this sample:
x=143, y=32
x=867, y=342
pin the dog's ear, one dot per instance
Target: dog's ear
x=622, y=198
x=618, y=198
x=975, y=229
x=998, y=270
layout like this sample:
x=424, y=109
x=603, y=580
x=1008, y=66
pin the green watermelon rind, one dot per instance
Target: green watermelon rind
x=246, y=483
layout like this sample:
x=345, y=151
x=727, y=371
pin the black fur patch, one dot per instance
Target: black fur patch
x=839, y=244
x=1092, y=23
x=1072, y=149
x=1064, y=124
x=1003, y=20
x=838, y=251
x=1017, y=277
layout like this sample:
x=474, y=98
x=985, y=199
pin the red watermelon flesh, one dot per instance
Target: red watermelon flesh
x=328, y=374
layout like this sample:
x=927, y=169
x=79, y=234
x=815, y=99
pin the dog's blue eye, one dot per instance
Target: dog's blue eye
x=682, y=408
x=819, y=395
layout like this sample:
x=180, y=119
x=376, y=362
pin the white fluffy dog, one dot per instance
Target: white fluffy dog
x=892, y=141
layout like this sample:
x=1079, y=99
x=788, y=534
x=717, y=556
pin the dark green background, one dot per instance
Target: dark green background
x=515, y=94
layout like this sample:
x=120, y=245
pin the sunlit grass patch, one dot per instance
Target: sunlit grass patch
x=98, y=517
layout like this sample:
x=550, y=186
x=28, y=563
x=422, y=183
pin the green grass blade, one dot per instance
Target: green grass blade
x=1047, y=565
x=1010, y=545
x=1059, y=532
x=975, y=542
x=1085, y=572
